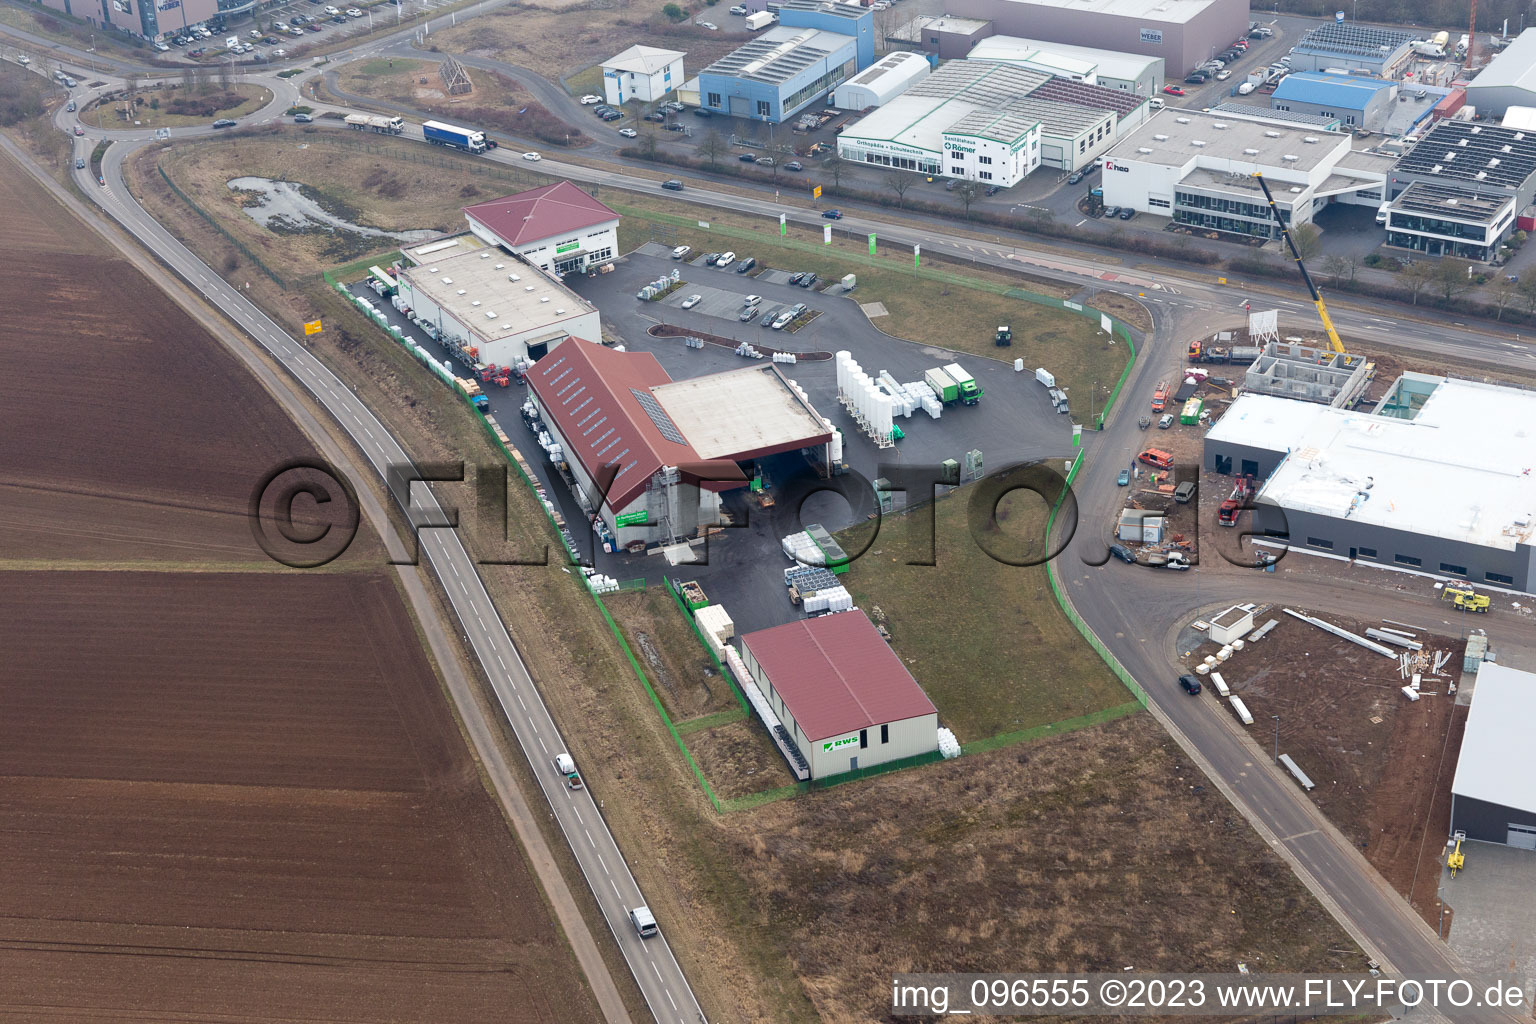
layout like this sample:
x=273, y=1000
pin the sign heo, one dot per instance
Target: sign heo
x=1110, y=165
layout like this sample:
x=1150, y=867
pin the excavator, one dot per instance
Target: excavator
x=1317, y=299
x=1456, y=859
x=1466, y=599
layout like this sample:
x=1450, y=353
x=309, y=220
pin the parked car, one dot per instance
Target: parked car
x=278, y=54
x=1077, y=176
x=79, y=131
x=1111, y=212
x=331, y=10
x=692, y=300
x=739, y=9
x=751, y=300
x=1124, y=479
x=796, y=276
x=832, y=214
x=674, y=106
x=1127, y=213
x=628, y=133
x=162, y=48
x=673, y=185
x=79, y=163
x=314, y=26
x=703, y=112
x=340, y=19
x=1123, y=553
x=613, y=115
x=769, y=316
x=748, y=313
x=747, y=158
x=1190, y=684
x=223, y=122
x=656, y=116
x=809, y=280
x=353, y=12
x=709, y=25
x=675, y=127
x=590, y=99
x=783, y=320
x=1198, y=78
x=532, y=157
x=710, y=257
x=1223, y=75
x=1156, y=103
x=993, y=190
x=303, y=119
x=681, y=251
x=765, y=161
x=1165, y=421
x=1173, y=90
x=746, y=265
x=794, y=165
x=725, y=260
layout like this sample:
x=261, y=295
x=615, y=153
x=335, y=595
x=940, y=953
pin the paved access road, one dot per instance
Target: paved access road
x=655, y=969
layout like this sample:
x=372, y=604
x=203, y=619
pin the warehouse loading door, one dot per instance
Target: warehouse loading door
x=1522, y=837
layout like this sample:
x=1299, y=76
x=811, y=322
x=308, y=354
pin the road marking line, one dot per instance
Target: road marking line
x=520, y=701
x=454, y=566
x=463, y=587
x=604, y=863
x=669, y=998
x=616, y=890
x=501, y=663
x=541, y=744
x=535, y=728
x=589, y=839
x=658, y=971
x=1081, y=223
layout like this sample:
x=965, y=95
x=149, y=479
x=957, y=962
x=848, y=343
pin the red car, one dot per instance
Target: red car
x=1173, y=90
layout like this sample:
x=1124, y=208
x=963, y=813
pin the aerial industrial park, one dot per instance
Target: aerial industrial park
x=841, y=510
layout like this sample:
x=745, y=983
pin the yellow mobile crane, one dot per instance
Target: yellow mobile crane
x=1456, y=860
x=1317, y=299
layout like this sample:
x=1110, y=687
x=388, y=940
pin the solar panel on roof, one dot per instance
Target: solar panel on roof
x=658, y=416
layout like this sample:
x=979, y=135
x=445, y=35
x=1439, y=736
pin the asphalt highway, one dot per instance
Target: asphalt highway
x=1136, y=612
x=655, y=969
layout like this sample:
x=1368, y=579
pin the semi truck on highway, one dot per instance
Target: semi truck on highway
x=376, y=123
x=440, y=134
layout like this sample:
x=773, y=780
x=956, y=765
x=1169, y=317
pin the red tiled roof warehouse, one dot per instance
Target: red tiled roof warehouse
x=539, y=213
x=843, y=694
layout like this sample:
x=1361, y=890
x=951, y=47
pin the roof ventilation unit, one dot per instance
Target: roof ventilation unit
x=528, y=289
x=501, y=266
x=485, y=255
x=459, y=292
x=1295, y=189
x=559, y=312
x=1481, y=175
x=490, y=314
x=1143, y=150
x=447, y=280
x=475, y=302
x=1493, y=161
x=513, y=277
x=1291, y=157
x=1197, y=142
x=1271, y=135
x=1453, y=201
x=1250, y=152
x=543, y=298
x=1183, y=120
x=1161, y=138
x=1310, y=139
x=431, y=270
x=1219, y=125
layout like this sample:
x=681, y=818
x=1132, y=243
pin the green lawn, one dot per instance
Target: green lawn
x=940, y=304
x=986, y=640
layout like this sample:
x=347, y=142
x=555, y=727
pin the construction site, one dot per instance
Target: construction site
x=1366, y=715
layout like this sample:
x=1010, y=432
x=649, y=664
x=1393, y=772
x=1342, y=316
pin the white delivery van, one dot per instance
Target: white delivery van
x=1382, y=211
x=645, y=924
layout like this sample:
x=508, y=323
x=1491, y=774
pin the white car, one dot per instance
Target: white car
x=279, y=54
x=23, y=59
x=692, y=300
x=739, y=9
x=709, y=25
x=532, y=157
x=1223, y=75
x=589, y=99
x=353, y=12
x=782, y=320
x=751, y=300
x=159, y=46
x=681, y=251
x=277, y=26
x=254, y=33
x=628, y=133
x=331, y=11
x=725, y=259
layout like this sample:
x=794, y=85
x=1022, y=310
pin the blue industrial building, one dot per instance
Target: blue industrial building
x=1356, y=102
x=814, y=48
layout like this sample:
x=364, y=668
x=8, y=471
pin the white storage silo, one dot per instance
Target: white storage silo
x=837, y=446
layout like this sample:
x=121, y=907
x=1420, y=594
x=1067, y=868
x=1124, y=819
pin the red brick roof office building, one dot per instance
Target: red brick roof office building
x=652, y=455
x=558, y=228
x=846, y=699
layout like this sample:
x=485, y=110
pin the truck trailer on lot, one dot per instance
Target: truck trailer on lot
x=376, y=123
x=762, y=19
x=467, y=139
x=943, y=385
x=970, y=391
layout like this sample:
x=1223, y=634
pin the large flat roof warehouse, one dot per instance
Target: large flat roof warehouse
x=837, y=675
x=1495, y=760
x=1105, y=63
x=1176, y=137
x=1463, y=468
x=1350, y=39
x=1160, y=11
x=1515, y=68
x=1473, y=152
x=741, y=414
x=778, y=54
x=495, y=294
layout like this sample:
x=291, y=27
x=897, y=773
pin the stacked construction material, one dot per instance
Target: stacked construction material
x=948, y=745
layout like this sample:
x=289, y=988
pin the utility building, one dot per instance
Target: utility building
x=1356, y=102
x=813, y=49
x=1134, y=73
x=1438, y=478
x=1493, y=797
x=1458, y=191
x=642, y=73
x=883, y=82
x=844, y=696
x=1355, y=49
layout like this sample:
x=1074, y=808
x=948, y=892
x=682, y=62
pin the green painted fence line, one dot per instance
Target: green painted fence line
x=231, y=239
x=730, y=679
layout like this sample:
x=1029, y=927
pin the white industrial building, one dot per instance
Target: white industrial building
x=1493, y=797
x=1197, y=168
x=843, y=695
x=557, y=227
x=642, y=73
x=990, y=122
x=1509, y=80
x=648, y=455
x=1439, y=477
x=882, y=82
x=494, y=303
x=1129, y=72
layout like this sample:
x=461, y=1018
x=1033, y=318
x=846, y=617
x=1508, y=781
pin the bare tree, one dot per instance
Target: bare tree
x=1354, y=265
x=899, y=183
x=1527, y=290
x=967, y=193
x=648, y=140
x=1307, y=239
x=225, y=74
x=711, y=146
x=1503, y=291
x=1416, y=276
x=833, y=165
x=1335, y=266
x=1452, y=276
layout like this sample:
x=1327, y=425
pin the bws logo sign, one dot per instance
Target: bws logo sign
x=828, y=746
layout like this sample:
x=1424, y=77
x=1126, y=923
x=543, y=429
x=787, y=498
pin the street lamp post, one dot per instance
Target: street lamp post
x=1277, y=737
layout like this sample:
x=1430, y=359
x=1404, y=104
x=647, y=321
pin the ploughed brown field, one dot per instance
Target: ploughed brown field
x=227, y=795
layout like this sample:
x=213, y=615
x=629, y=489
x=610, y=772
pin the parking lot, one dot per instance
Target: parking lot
x=1014, y=421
